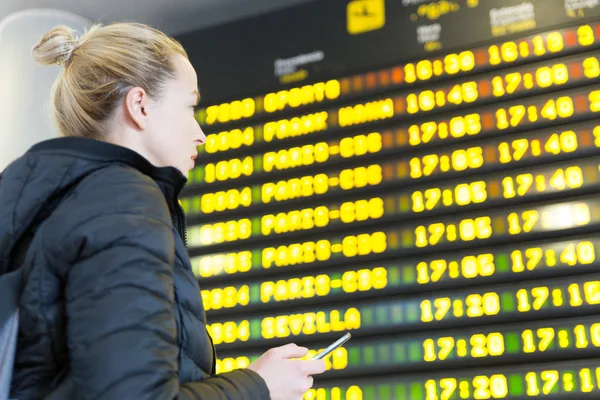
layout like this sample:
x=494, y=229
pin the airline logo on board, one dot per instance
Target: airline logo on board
x=365, y=16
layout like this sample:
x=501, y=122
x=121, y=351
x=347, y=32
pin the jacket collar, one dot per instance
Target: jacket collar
x=96, y=150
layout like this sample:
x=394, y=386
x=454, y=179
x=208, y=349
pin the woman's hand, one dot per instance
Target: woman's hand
x=287, y=379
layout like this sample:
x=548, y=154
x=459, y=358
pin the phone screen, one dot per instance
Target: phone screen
x=333, y=346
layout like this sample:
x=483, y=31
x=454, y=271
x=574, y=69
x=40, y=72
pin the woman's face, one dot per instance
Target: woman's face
x=172, y=131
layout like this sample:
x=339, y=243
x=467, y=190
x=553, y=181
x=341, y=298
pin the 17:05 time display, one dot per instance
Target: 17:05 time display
x=493, y=189
x=498, y=225
x=265, y=164
x=324, y=121
x=331, y=182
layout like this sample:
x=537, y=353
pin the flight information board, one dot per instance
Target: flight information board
x=423, y=174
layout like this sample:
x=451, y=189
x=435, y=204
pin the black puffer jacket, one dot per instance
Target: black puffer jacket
x=110, y=308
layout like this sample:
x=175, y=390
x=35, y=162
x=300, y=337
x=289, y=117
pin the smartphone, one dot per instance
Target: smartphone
x=333, y=346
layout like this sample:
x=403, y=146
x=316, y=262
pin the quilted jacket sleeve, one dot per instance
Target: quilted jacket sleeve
x=120, y=299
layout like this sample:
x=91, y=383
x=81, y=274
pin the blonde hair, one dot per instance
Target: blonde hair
x=99, y=69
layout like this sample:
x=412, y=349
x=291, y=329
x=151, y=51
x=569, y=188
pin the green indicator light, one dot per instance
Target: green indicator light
x=369, y=355
x=412, y=312
x=256, y=194
x=199, y=175
x=382, y=314
x=256, y=229
x=416, y=390
x=258, y=164
x=369, y=393
x=367, y=316
x=502, y=263
x=255, y=328
x=513, y=344
x=255, y=293
x=396, y=311
x=201, y=116
x=399, y=352
x=258, y=133
x=354, y=356
x=508, y=303
x=385, y=392
x=408, y=275
x=400, y=390
x=384, y=355
x=256, y=259
x=415, y=353
x=515, y=385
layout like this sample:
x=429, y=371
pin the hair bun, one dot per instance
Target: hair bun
x=56, y=46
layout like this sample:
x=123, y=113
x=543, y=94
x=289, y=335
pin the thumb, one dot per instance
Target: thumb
x=291, y=351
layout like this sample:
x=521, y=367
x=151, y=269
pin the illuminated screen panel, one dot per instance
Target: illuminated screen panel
x=443, y=207
x=556, y=380
x=552, y=298
x=432, y=69
x=554, y=109
x=535, y=260
x=487, y=190
x=538, y=341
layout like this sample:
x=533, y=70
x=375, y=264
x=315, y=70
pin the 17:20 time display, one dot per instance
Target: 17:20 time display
x=509, y=263
x=555, y=298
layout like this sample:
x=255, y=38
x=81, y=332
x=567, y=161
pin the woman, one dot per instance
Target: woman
x=110, y=308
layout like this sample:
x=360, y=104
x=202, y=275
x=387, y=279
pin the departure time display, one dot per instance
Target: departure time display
x=552, y=298
x=538, y=341
x=466, y=268
x=536, y=182
x=559, y=380
x=252, y=166
x=331, y=180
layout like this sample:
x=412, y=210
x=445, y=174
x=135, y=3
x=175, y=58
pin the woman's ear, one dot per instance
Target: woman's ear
x=136, y=106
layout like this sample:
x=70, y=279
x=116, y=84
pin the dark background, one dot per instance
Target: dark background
x=237, y=60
